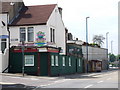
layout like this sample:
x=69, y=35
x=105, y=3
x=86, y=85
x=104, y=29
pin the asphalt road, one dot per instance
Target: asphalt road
x=106, y=79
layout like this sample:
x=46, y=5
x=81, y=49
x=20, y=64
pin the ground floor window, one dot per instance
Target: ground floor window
x=79, y=62
x=69, y=61
x=63, y=59
x=52, y=60
x=3, y=45
x=29, y=60
x=56, y=60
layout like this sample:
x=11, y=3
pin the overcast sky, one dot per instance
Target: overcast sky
x=103, y=18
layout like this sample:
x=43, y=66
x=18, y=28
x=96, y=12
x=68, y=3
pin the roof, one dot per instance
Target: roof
x=34, y=15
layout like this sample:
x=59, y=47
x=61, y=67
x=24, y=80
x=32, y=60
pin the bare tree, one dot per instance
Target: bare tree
x=98, y=39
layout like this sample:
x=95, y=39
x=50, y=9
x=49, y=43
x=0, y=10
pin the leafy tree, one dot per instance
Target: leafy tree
x=98, y=39
x=118, y=57
x=112, y=57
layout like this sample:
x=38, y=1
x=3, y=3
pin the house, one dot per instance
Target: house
x=9, y=11
x=41, y=29
x=39, y=25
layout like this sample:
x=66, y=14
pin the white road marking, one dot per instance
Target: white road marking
x=6, y=83
x=34, y=79
x=15, y=77
x=100, y=82
x=109, y=78
x=59, y=81
x=88, y=86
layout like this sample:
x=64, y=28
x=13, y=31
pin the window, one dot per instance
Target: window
x=56, y=60
x=52, y=60
x=30, y=34
x=69, y=61
x=27, y=35
x=29, y=60
x=52, y=35
x=3, y=45
x=79, y=62
x=63, y=61
x=22, y=34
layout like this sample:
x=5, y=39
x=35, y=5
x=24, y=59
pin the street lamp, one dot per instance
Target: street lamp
x=107, y=40
x=107, y=48
x=87, y=42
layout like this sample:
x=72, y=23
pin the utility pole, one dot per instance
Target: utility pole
x=107, y=49
x=87, y=42
x=23, y=60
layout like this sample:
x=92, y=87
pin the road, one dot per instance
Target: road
x=105, y=79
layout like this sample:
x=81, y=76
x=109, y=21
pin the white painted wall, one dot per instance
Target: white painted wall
x=95, y=53
x=3, y=31
x=55, y=21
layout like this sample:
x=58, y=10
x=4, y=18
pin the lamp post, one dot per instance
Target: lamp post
x=23, y=63
x=107, y=40
x=107, y=48
x=87, y=42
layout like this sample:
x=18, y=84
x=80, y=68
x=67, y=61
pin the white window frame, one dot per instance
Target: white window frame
x=29, y=57
x=22, y=33
x=28, y=32
x=63, y=61
x=70, y=61
x=79, y=62
x=56, y=60
x=52, y=60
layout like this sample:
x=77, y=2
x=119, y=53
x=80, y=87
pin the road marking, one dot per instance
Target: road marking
x=88, y=86
x=109, y=78
x=6, y=83
x=34, y=79
x=100, y=82
x=15, y=77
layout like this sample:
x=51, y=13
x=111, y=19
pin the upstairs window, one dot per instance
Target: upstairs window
x=52, y=35
x=22, y=34
x=27, y=34
x=30, y=34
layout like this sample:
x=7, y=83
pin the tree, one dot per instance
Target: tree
x=98, y=39
x=112, y=57
x=118, y=57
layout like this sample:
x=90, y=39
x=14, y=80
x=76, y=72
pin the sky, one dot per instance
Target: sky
x=103, y=18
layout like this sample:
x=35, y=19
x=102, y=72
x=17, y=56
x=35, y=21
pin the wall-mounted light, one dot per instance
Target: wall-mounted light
x=12, y=3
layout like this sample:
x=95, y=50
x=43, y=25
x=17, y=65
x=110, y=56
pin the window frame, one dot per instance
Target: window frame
x=21, y=32
x=52, y=60
x=70, y=62
x=26, y=61
x=30, y=33
x=79, y=62
x=63, y=61
x=56, y=61
x=52, y=35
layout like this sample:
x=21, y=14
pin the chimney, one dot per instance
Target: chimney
x=60, y=11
